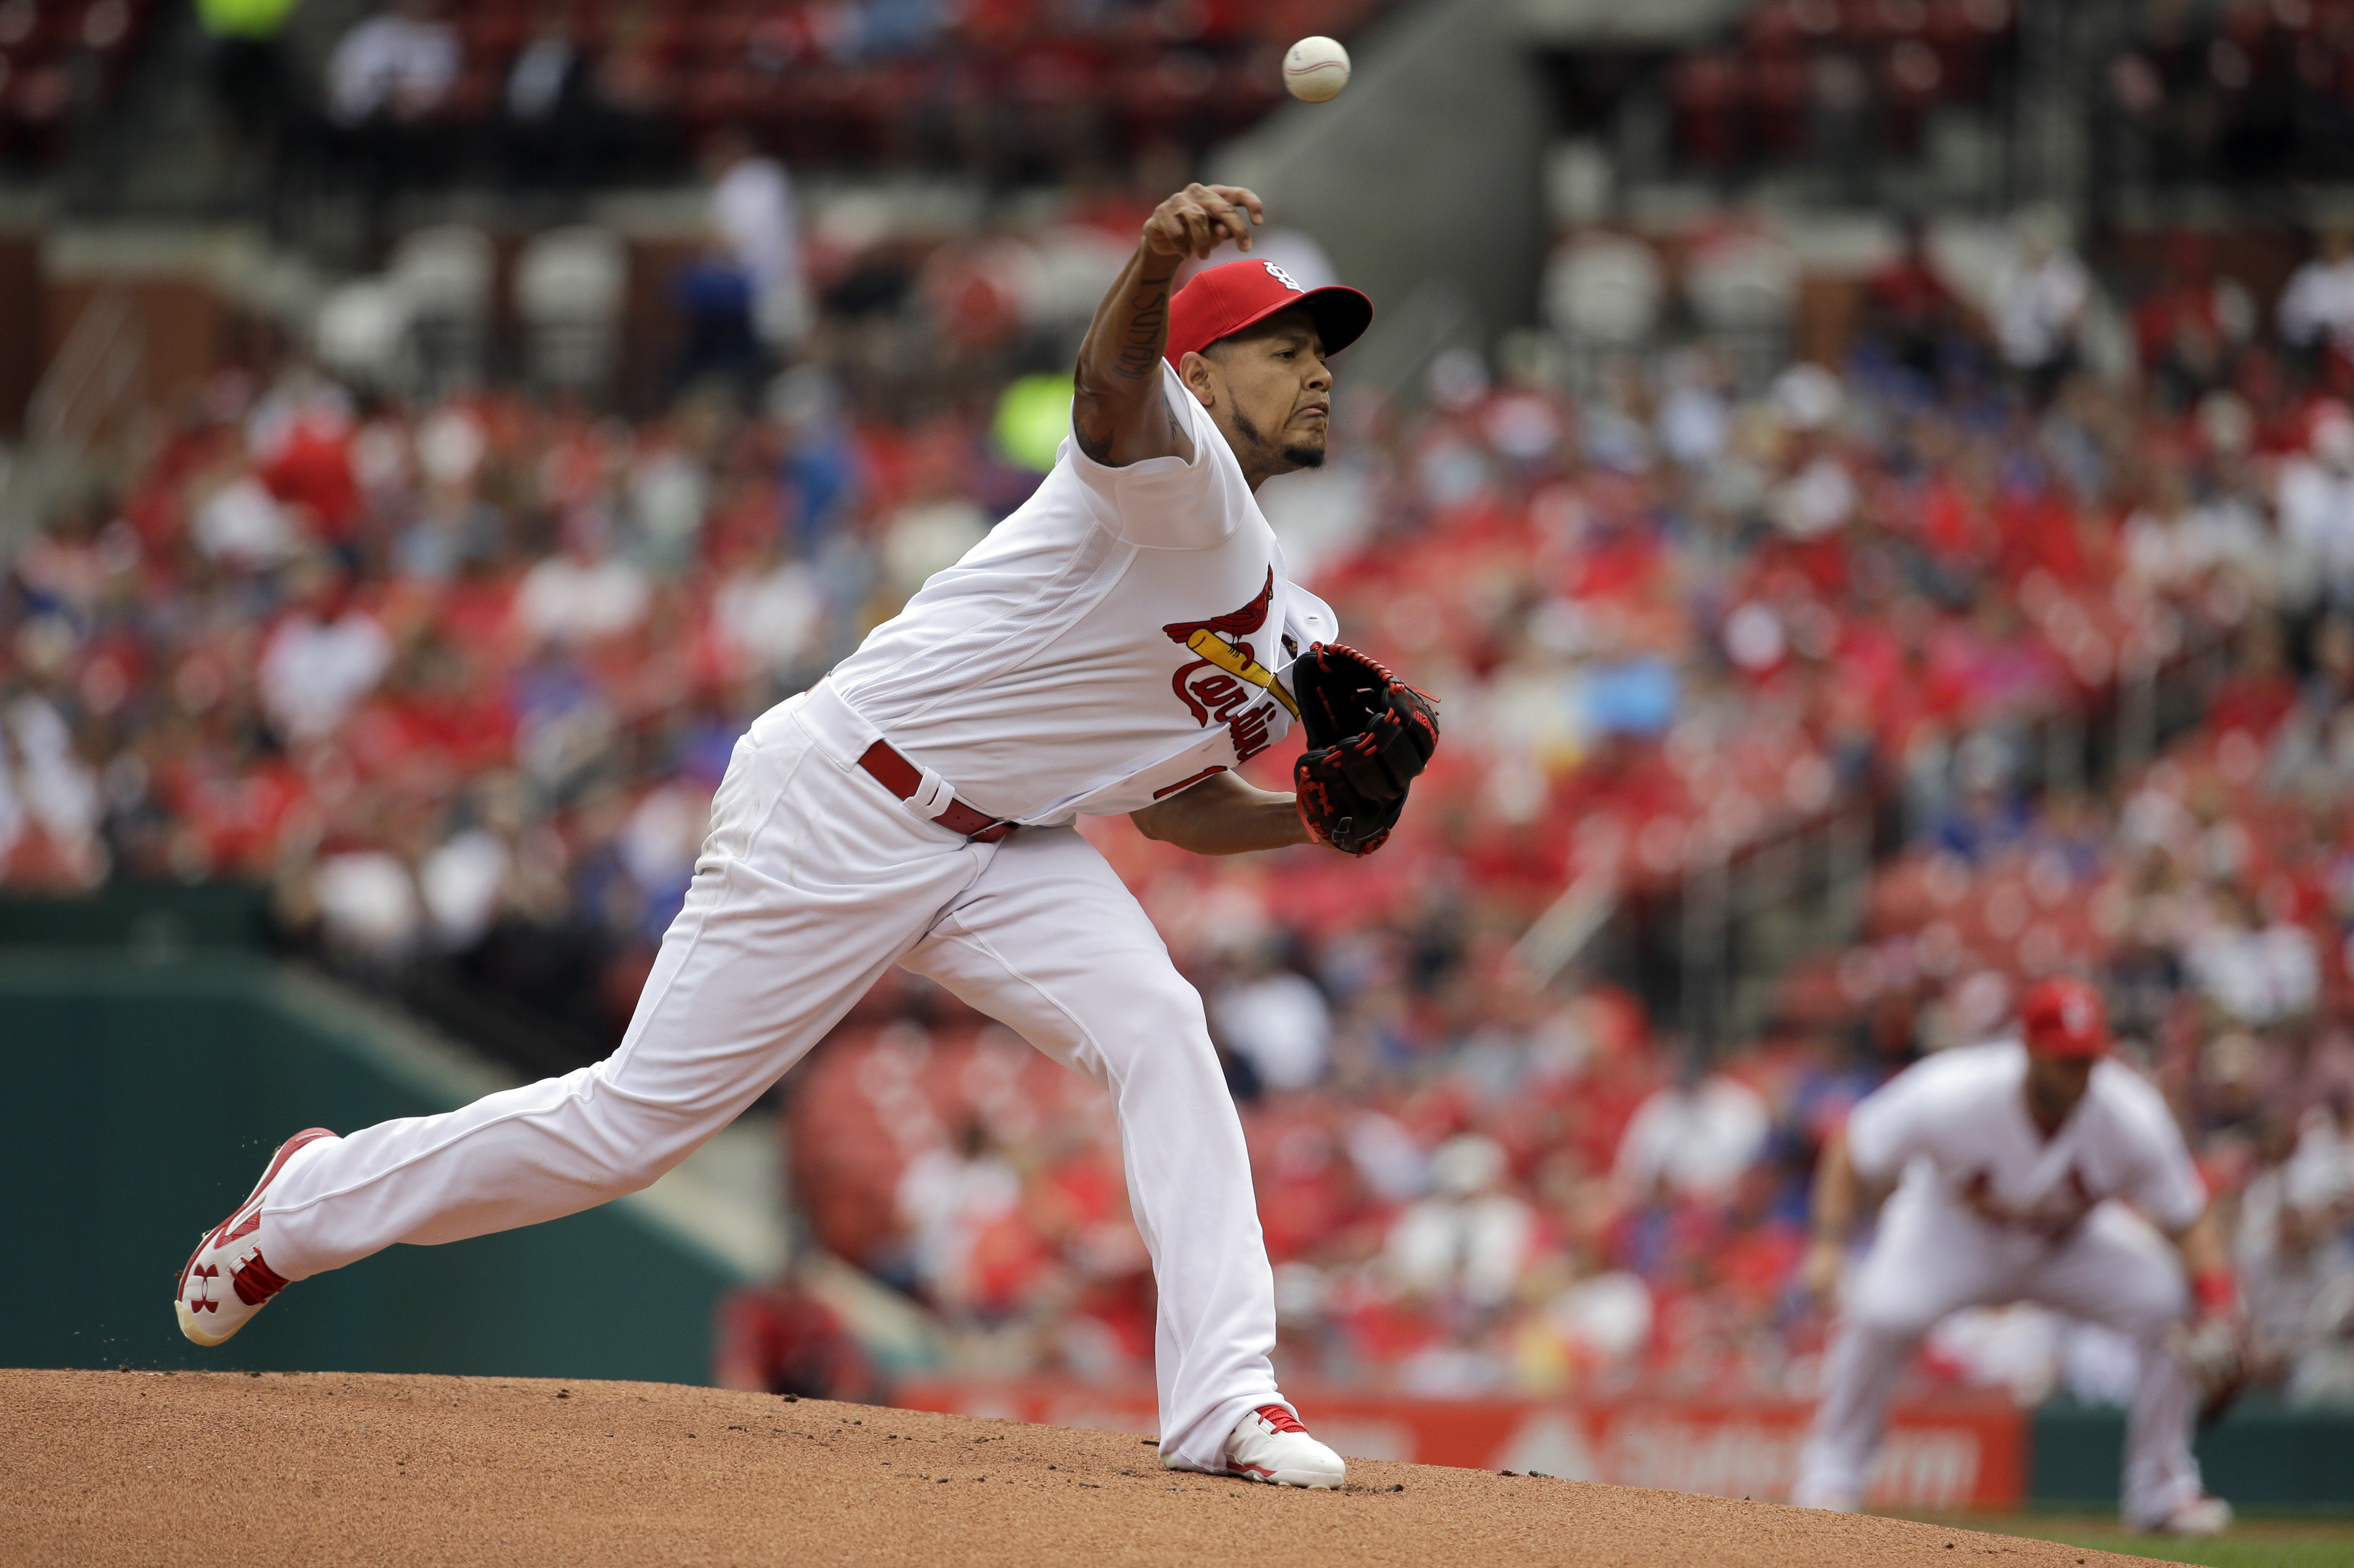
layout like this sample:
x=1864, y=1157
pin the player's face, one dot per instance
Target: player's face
x=2054, y=1084
x=1275, y=400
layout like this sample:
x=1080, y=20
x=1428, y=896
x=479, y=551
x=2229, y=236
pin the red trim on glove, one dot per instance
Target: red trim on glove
x=1300, y=804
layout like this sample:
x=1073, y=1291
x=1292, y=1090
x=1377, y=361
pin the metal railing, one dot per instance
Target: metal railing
x=91, y=390
x=1707, y=951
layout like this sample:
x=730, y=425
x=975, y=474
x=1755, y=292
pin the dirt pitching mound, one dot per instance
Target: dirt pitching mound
x=99, y=1468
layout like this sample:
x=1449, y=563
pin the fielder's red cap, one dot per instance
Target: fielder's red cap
x=1223, y=300
x=2064, y=1017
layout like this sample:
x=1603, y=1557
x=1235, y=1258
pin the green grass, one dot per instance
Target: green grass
x=2263, y=1543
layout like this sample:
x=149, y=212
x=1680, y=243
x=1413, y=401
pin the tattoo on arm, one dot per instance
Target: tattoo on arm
x=1147, y=333
x=1119, y=415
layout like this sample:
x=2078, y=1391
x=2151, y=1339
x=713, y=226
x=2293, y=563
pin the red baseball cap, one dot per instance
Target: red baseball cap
x=1223, y=300
x=2063, y=1017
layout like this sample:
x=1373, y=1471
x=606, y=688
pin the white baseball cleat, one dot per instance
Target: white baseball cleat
x=225, y=1281
x=1807, y=1496
x=2195, y=1518
x=1269, y=1444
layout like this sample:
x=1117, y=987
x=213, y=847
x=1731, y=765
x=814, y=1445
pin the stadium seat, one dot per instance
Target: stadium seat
x=444, y=277
x=1605, y=289
x=571, y=285
x=360, y=330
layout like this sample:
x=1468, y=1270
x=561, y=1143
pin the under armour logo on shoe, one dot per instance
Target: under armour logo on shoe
x=1282, y=277
x=204, y=1302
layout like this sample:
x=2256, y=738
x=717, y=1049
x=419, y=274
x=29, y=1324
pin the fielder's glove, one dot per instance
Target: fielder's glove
x=2213, y=1348
x=1370, y=736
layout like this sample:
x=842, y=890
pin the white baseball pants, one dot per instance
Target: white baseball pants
x=812, y=882
x=1931, y=1260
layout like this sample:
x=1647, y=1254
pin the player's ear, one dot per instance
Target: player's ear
x=1195, y=371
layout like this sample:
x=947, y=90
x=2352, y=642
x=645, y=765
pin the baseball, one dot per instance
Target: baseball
x=1316, y=69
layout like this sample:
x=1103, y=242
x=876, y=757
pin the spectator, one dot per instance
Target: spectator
x=1276, y=1020
x=390, y=82
x=1469, y=1240
x=1908, y=308
x=2174, y=544
x=631, y=102
x=547, y=122
x=2316, y=308
x=769, y=613
x=757, y=223
x=2315, y=498
x=51, y=788
x=949, y=1198
x=2256, y=977
x=1692, y=1139
x=586, y=594
x=2295, y=1266
x=397, y=67
x=2038, y=303
x=781, y=1338
x=2189, y=324
x=323, y=656
x=367, y=906
x=241, y=524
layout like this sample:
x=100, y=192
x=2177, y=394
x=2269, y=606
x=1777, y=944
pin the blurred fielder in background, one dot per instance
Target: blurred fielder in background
x=2031, y=1169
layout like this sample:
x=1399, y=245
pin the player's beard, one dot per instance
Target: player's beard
x=1297, y=452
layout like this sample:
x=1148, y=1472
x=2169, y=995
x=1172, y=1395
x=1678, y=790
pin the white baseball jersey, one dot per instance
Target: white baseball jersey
x=1957, y=1128
x=1048, y=674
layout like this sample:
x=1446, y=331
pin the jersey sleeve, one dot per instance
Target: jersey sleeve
x=1165, y=502
x=2161, y=1180
x=1884, y=1130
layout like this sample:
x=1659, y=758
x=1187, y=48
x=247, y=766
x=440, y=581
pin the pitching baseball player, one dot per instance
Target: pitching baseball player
x=2029, y=1170
x=1122, y=643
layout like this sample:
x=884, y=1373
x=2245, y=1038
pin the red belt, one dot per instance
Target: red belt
x=903, y=778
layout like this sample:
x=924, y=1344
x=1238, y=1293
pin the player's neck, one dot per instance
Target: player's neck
x=2048, y=1111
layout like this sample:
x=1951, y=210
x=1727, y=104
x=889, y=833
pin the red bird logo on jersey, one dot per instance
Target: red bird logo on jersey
x=1233, y=623
x=2052, y=1217
x=1210, y=691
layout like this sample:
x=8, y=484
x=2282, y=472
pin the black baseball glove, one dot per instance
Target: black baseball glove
x=1370, y=735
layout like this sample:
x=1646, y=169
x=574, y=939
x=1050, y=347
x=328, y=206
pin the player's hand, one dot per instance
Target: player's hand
x=2215, y=1351
x=1200, y=219
x=1825, y=1260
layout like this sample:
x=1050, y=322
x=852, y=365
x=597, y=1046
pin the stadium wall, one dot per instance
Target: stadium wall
x=149, y=1084
x=2260, y=1454
x=1962, y=1451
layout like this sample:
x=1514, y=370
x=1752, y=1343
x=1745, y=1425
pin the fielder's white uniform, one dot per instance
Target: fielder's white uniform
x=1046, y=675
x=1989, y=1211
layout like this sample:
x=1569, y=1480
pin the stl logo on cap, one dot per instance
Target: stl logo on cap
x=2062, y=1017
x=1282, y=277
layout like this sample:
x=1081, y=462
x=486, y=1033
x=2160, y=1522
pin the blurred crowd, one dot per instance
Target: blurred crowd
x=456, y=677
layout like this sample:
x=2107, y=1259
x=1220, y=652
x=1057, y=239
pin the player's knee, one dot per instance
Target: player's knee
x=1156, y=1025
x=1889, y=1319
x=2147, y=1302
x=637, y=1142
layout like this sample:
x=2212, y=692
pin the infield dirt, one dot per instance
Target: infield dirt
x=102, y=1468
